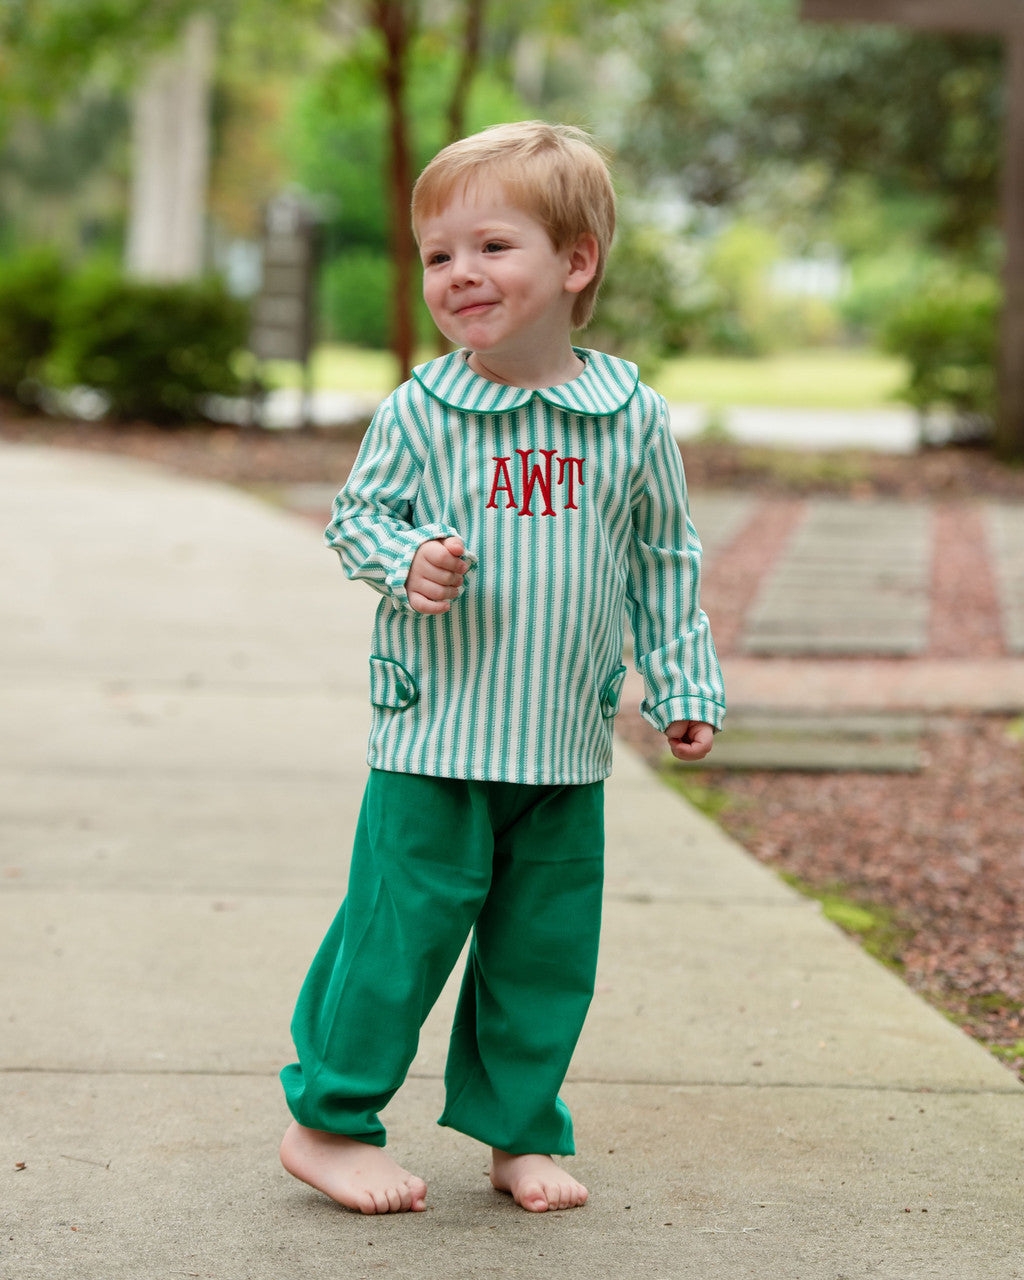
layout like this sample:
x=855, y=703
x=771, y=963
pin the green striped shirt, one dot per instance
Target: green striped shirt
x=571, y=502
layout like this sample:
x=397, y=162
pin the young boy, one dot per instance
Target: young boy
x=511, y=503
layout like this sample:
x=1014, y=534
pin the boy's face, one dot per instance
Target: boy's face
x=492, y=279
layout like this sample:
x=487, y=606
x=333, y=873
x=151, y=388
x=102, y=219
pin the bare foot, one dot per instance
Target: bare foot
x=356, y=1174
x=536, y=1183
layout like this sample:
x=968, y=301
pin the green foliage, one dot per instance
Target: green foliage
x=49, y=48
x=354, y=288
x=879, y=284
x=52, y=45
x=770, y=123
x=155, y=350
x=948, y=332
x=744, y=320
x=886, y=236
x=666, y=294
x=31, y=289
x=355, y=292
x=646, y=309
x=920, y=113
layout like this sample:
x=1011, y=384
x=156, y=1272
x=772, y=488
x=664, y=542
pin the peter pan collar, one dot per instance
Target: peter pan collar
x=606, y=385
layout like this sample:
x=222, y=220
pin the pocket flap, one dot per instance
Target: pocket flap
x=611, y=693
x=391, y=686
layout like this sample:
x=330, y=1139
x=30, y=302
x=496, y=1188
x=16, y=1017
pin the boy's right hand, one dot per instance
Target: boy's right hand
x=435, y=575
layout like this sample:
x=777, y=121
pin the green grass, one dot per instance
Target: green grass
x=819, y=379
x=839, y=379
x=709, y=800
x=1010, y=1053
x=338, y=368
x=878, y=929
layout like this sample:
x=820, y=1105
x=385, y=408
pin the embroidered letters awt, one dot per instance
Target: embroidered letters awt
x=537, y=476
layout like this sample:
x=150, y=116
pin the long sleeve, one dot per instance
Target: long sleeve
x=373, y=527
x=674, y=651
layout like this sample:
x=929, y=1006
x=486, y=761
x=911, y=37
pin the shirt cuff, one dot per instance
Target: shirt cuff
x=690, y=706
x=400, y=566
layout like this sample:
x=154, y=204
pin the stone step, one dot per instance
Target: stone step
x=854, y=578
x=1006, y=538
x=867, y=743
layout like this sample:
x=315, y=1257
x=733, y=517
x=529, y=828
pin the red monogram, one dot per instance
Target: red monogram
x=538, y=476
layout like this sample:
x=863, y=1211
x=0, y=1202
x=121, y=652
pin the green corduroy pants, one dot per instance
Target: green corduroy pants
x=435, y=860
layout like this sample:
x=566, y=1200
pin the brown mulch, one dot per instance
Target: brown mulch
x=941, y=850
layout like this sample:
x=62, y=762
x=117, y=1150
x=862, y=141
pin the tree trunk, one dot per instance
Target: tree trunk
x=170, y=164
x=468, y=64
x=393, y=20
x=1009, y=441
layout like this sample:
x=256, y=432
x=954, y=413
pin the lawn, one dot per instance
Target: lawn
x=847, y=378
x=826, y=378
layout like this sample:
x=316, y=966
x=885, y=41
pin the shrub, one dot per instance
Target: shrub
x=31, y=290
x=948, y=332
x=356, y=298
x=647, y=308
x=356, y=302
x=154, y=350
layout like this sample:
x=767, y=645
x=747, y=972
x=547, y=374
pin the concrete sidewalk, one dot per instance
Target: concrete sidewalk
x=184, y=708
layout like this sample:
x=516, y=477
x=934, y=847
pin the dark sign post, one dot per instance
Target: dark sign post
x=994, y=17
x=283, y=312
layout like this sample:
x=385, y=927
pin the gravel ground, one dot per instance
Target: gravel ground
x=937, y=856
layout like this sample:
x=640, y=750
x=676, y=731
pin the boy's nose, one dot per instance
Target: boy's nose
x=464, y=270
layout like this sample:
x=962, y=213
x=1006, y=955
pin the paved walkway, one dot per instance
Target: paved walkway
x=184, y=705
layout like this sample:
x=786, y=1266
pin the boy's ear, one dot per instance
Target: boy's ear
x=583, y=258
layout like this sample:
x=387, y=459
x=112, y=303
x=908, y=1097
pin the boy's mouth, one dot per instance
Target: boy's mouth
x=473, y=308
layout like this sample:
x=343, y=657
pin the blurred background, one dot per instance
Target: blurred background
x=809, y=213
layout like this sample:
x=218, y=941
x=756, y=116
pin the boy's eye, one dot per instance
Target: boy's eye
x=494, y=246
x=434, y=259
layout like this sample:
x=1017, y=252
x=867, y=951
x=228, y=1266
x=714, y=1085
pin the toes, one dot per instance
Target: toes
x=536, y=1184
x=542, y=1196
x=366, y=1203
x=560, y=1196
x=535, y=1197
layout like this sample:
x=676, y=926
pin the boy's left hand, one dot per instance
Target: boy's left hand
x=690, y=739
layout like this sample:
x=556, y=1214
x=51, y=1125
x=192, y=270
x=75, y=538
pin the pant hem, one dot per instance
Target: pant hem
x=516, y=1148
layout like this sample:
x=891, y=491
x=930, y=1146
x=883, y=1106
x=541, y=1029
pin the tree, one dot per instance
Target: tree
x=163, y=57
x=337, y=141
x=396, y=22
x=469, y=64
x=50, y=47
x=170, y=169
x=719, y=118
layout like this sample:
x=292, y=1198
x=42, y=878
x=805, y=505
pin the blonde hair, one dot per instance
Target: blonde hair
x=553, y=172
